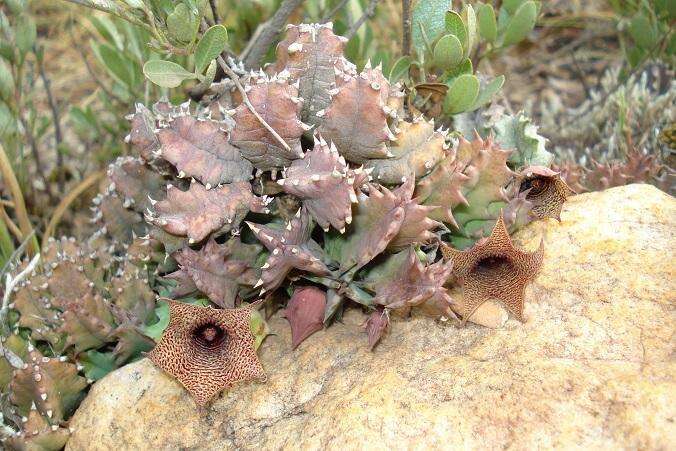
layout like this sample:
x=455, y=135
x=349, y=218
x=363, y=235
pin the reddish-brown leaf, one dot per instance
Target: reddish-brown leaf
x=289, y=249
x=376, y=326
x=219, y=270
x=305, y=313
x=198, y=212
x=200, y=149
x=355, y=120
x=313, y=55
x=325, y=184
x=277, y=102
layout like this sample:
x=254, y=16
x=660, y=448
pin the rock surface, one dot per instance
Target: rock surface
x=593, y=366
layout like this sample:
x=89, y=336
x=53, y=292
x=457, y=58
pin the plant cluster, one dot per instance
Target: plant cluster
x=448, y=46
x=78, y=313
x=277, y=188
x=51, y=146
x=335, y=208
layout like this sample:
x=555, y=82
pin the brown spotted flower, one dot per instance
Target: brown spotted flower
x=547, y=191
x=494, y=269
x=208, y=350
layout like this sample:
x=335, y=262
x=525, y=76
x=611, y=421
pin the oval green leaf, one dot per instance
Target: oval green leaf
x=182, y=24
x=427, y=21
x=400, y=69
x=461, y=94
x=487, y=92
x=511, y=6
x=488, y=27
x=642, y=32
x=210, y=46
x=25, y=33
x=465, y=67
x=447, y=52
x=166, y=73
x=456, y=27
x=469, y=17
x=521, y=23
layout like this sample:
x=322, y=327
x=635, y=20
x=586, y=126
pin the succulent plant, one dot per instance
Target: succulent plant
x=363, y=136
x=472, y=185
x=291, y=248
x=220, y=271
x=404, y=281
x=636, y=167
x=514, y=132
x=49, y=386
x=201, y=149
x=197, y=212
x=376, y=326
x=279, y=104
x=417, y=150
x=81, y=307
x=382, y=187
x=38, y=434
x=605, y=143
x=325, y=184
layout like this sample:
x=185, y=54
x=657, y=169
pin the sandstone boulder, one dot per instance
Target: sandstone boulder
x=593, y=366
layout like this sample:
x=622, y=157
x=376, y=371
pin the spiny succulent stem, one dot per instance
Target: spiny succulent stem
x=10, y=283
x=235, y=79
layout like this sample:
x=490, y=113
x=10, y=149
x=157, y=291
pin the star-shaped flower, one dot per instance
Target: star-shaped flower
x=494, y=269
x=208, y=350
x=547, y=191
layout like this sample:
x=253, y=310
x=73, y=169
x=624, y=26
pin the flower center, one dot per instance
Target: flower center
x=494, y=267
x=536, y=186
x=209, y=335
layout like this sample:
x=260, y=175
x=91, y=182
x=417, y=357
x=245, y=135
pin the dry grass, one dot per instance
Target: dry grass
x=63, y=26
